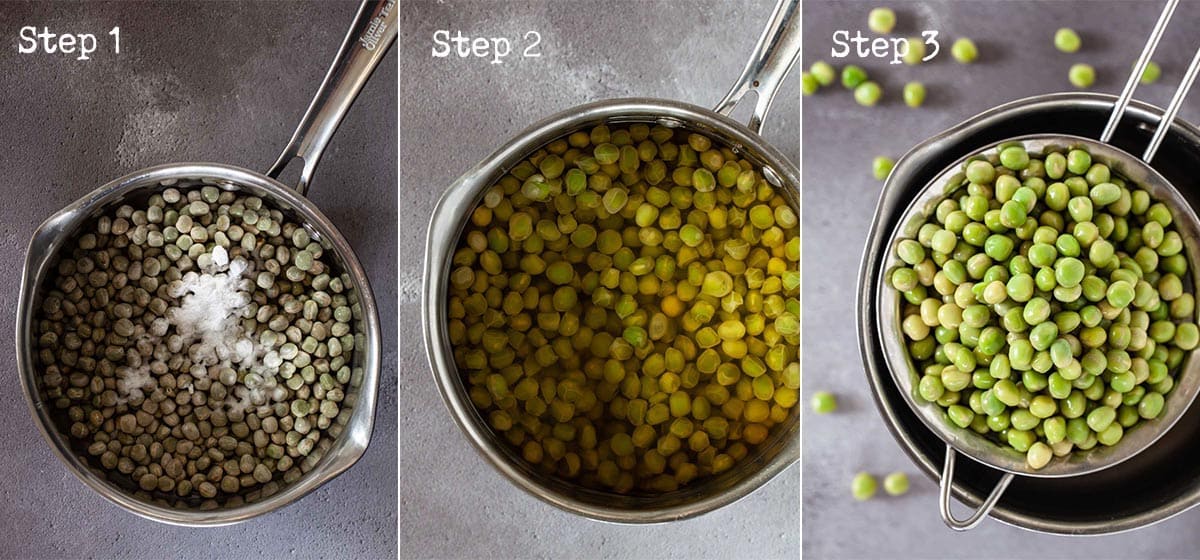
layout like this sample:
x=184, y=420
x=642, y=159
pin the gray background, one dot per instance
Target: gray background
x=202, y=82
x=1017, y=59
x=454, y=113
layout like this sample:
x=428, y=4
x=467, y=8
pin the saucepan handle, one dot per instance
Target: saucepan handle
x=777, y=51
x=947, y=483
x=370, y=36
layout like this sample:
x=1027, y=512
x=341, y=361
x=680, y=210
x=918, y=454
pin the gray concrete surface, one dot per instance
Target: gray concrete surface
x=454, y=113
x=1016, y=60
x=199, y=81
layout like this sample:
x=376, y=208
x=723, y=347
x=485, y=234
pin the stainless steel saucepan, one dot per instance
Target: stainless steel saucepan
x=371, y=34
x=777, y=50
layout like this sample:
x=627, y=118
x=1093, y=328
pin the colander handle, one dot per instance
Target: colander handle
x=370, y=36
x=1122, y=103
x=777, y=51
x=944, y=492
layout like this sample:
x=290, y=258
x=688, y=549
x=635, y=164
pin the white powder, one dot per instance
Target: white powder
x=208, y=318
x=209, y=314
x=240, y=400
x=132, y=382
x=220, y=257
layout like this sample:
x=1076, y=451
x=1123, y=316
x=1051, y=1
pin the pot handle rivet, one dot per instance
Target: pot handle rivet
x=947, y=483
x=777, y=50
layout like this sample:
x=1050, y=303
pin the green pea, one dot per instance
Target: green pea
x=1151, y=405
x=1187, y=336
x=881, y=20
x=910, y=252
x=853, y=76
x=867, y=93
x=1014, y=321
x=1014, y=157
x=1080, y=209
x=914, y=92
x=823, y=402
x=1123, y=382
x=560, y=272
x=808, y=83
x=1038, y=456
x=991, y=341
x=1069, y=271
x=1171, y=244
x=1081, y=75
x=1043, y=335
x=1059, y=386
x=1101, y=418
x=703, y=180
x=606, y=154
x=1110, y=435
x=960, y=415
x=1020, y=288
x=1006, y=186
x=717, y=284
x=1078, y=430
x=1036, y=311
x=954, y=379
x=916, y=51
x=1055, y=429
x=881, y=167
x=1023, y=420
x=1078, y=161
x=980, y=171
x=1066, y=40
x=943, y=241
x=998, y=247
x=975, y=234
x=1042, y=255
x=1120, y=294
x=1012, y=214
x=863, y=486
x=1021, y=440
x=896, y=484
x=822, y=72
x=930, y=388
x=1056, y=167
x=964, y=50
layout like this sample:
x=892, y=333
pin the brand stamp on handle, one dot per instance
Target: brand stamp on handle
x=377, y=28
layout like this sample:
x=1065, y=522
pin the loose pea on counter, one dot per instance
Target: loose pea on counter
x=881, y=20
x=863, y=486
x=624, y=308
x=1048, y=303
x=896, y=484
x=199, y=345
x=964, y=50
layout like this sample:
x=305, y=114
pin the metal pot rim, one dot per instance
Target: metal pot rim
x=445, y=225
x=45, y=243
